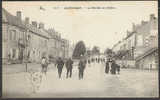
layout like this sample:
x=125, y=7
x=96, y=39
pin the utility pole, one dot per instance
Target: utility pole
x=26, y=45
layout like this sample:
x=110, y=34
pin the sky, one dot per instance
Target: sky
x=96, y=27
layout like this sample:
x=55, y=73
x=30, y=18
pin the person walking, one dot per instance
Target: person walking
x=118, y=68
x=113, y=67
x=81, y=67
x=108, y=64
x=89, y=63
x=44, y=65
x=69, y=67
x=60, y=65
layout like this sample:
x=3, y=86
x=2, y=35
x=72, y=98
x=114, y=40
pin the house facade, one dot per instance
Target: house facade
x=23, y=40
x=141, y=40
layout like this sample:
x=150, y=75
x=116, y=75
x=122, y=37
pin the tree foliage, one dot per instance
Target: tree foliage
x=95, y=50
x=79, y=50
x=120, y=54
x=109, y=52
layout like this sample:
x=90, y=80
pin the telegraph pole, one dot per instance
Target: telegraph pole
x=26, y=45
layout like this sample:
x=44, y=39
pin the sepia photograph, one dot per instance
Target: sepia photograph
x=82, y=49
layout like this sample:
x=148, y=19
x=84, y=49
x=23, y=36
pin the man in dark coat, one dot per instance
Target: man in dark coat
x=81, y=67
x=69, y=67
x=107, y=67
x=118, y=68
x=60, y=64
x=113, y=67
x=89, y=61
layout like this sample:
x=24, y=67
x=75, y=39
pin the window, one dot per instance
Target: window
x=13, y=35
x=129, y=44
x=23, y=35
x=45, y=42
x=10, y=35
x=14, y=53
x=14, y=32
x=139, y=40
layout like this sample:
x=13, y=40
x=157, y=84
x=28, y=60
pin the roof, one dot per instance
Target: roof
x=35, y=30
x=129, y=35
x=13, y=20
x=148, y=52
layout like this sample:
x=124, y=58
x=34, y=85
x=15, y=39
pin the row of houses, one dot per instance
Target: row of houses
x=141, y=44
x=24, y=40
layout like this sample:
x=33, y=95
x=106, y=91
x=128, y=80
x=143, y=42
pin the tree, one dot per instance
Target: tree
x=79, y=50
x=121, y=53
x=88, y=52
x=109, y=52
x=95, y=50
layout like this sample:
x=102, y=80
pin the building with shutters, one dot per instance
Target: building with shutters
x=25, y=41
x=142, y=40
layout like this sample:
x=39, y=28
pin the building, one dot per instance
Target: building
x=14, y=35
x=65, y=48
x=140, y=41
x=146, y=54
x=38, y=42
x=148, y=60
x=58, y=47
x=24, y=41
x=71, y=49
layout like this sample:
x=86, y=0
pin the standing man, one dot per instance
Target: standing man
x=69, y=67
x=118, y=68
x=108, y=65
x=81, y=67
x=44, y=65
x=60, y=64
x=113, y=67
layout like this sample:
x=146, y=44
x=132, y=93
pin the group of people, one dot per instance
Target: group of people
x=68, y=64
x=98, y=60
x=110, y=66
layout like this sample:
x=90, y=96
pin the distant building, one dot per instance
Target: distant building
x=71, y=50
x=58, y=47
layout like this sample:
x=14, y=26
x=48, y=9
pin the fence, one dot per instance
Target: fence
x=126, y=63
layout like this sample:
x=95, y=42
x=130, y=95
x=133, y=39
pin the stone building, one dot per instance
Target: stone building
x=24, y=41
x=141, y=40
x=71, y=49
x=148, y=60
x=60, y=47
x=14, y=35
x=147, y=47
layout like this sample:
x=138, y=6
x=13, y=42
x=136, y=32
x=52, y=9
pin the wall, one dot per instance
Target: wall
x=126, y=63
x=147, y=61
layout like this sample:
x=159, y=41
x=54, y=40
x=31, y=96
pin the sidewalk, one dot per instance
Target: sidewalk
x=18, y=68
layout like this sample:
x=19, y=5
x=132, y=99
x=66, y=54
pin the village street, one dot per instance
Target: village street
x=130, y=83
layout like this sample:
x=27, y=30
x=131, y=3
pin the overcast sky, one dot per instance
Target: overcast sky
x=100, y=27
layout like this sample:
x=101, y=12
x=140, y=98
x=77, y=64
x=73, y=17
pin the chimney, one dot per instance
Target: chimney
x=143, y=22
x=41, y=25
x=19, y=15
x=34, y=23
x=152, y=16
x=27, y=20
